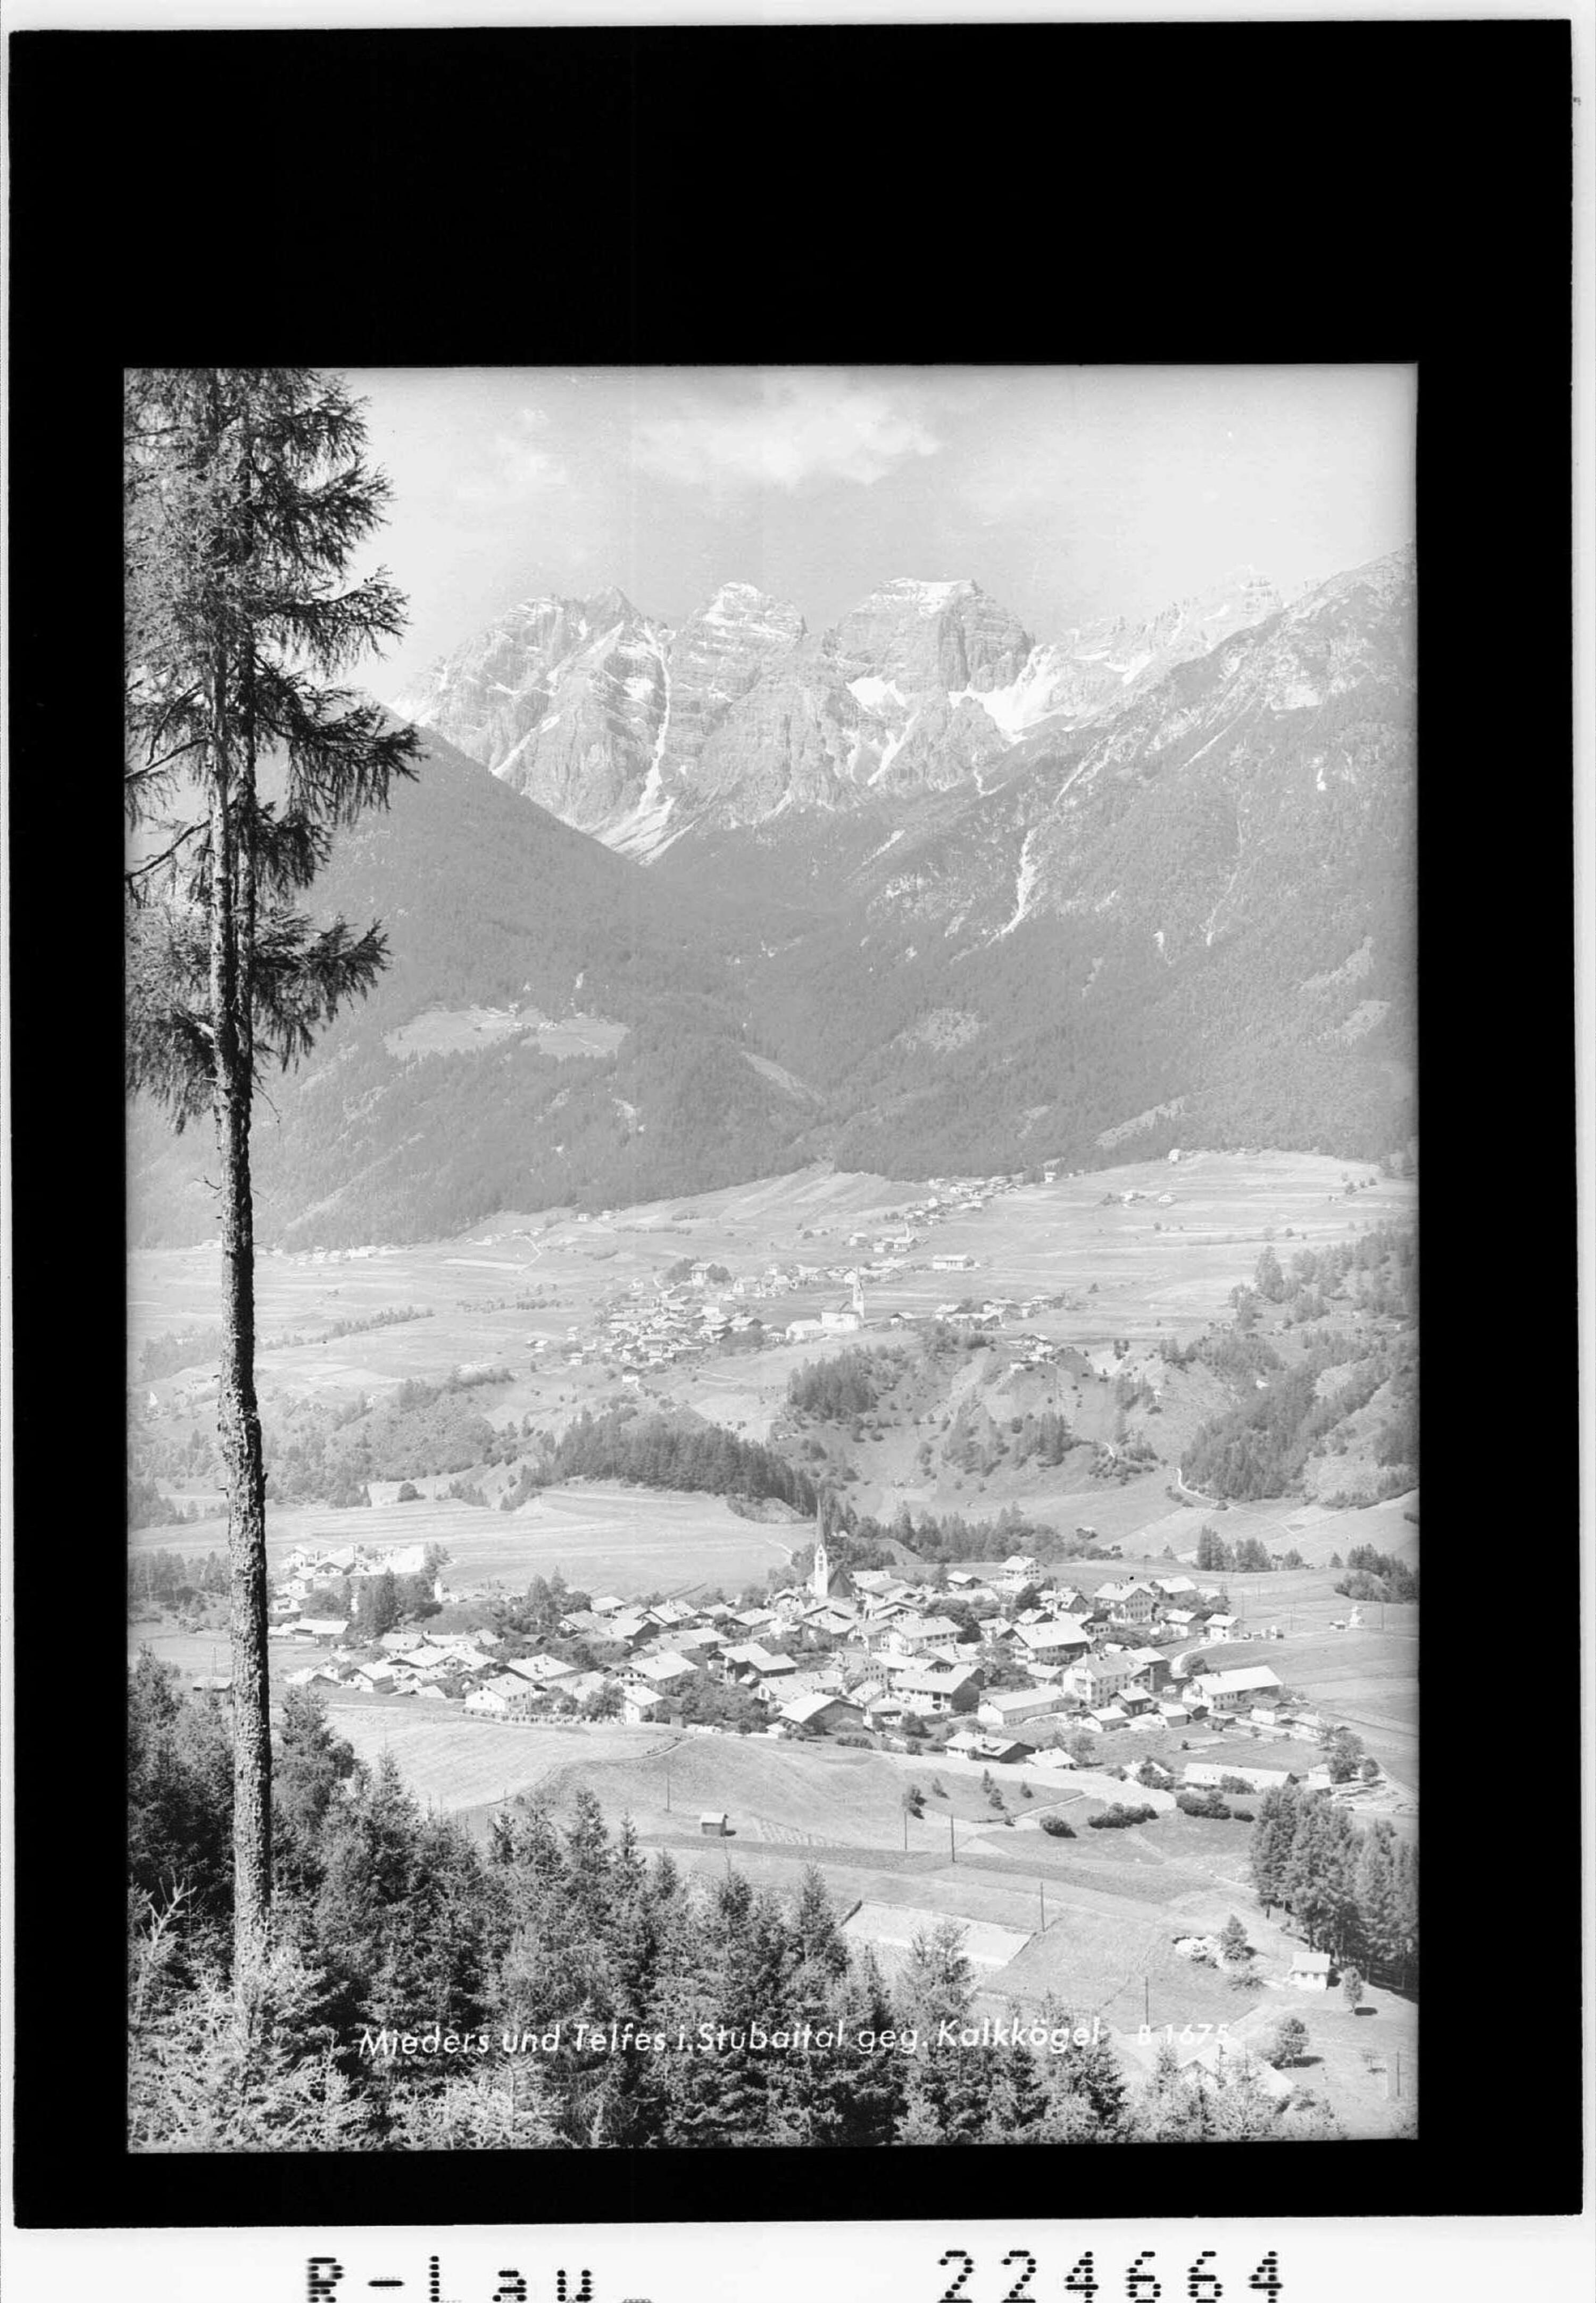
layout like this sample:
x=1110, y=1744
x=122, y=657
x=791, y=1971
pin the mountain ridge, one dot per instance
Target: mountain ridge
x=644, y=734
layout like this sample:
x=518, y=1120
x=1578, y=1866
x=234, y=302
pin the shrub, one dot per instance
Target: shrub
x=1057, y=1827
x=1290, y=2043
x=1203, y=1803
x=1119, y=1817
x=1236, y=1784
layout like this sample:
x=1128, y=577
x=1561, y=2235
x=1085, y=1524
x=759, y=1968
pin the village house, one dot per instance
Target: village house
x=1152, y=1668
x=931, y=1693
x=1061, y=1639
x=1128, y=1603
x=774, y=1675
x=640, y=1703
x=1095, y=1679
x=503, y=1698
x=664, y=1673
x=825, y=1711
x=541, y=1670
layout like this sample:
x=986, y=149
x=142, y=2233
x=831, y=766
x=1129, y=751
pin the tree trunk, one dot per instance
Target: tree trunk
x=239, y=1417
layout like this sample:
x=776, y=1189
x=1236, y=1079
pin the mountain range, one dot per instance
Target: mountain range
x=644, y=735
x=673, y=908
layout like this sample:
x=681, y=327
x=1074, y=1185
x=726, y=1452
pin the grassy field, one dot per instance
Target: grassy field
x=601, y=1537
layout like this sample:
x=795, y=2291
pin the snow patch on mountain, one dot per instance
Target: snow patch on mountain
x=873, y=693
x=1025, y=884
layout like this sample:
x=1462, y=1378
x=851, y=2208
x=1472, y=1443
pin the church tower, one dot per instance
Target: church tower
x=826, y=1582
x=821, y=1576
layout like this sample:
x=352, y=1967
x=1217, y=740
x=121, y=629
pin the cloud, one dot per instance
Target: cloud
x=518, y=462
x=524, y=456
x=803, y=426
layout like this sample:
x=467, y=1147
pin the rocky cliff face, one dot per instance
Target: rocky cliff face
x=1205, y=793
x=643, y=736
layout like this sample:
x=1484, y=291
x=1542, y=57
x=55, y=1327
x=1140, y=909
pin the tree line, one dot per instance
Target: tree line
x=1354, y=1893
x=681, y=1451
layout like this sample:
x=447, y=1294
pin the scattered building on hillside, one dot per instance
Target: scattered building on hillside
x=1310, y=1971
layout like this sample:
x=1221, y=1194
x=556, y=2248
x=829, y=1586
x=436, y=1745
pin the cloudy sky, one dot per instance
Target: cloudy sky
x=1066, y=492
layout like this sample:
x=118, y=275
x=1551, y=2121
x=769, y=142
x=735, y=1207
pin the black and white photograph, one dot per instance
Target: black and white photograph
x=796, y=704
x=773, y=1166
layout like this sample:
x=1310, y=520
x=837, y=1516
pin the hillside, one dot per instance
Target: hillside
x=551, y=1019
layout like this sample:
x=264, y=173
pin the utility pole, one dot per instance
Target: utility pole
x=1146, y=2012
x=952, y=1852
x=1042, y=1904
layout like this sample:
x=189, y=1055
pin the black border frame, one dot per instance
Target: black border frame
x=1392, y=191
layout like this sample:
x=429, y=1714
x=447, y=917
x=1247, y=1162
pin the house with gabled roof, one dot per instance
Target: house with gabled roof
x=823, y=1711
x=1096, y=1679
x=1057, y=1641
x=931, y=1693
x=1129, y=1603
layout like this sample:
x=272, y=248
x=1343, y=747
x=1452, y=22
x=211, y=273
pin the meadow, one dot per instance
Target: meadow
x=601, y=1537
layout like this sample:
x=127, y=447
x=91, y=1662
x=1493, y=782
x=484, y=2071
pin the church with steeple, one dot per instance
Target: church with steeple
x=829, y=1579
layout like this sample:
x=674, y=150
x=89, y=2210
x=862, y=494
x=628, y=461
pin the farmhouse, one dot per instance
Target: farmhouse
x=1236, y=1690
x=1008, y=1706
x=321, y=1627
x=1206, y=1776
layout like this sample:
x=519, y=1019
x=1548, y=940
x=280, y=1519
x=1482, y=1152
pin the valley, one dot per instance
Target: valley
x=1094, y=1920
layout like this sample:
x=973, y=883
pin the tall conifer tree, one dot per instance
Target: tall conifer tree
x=245, y=492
